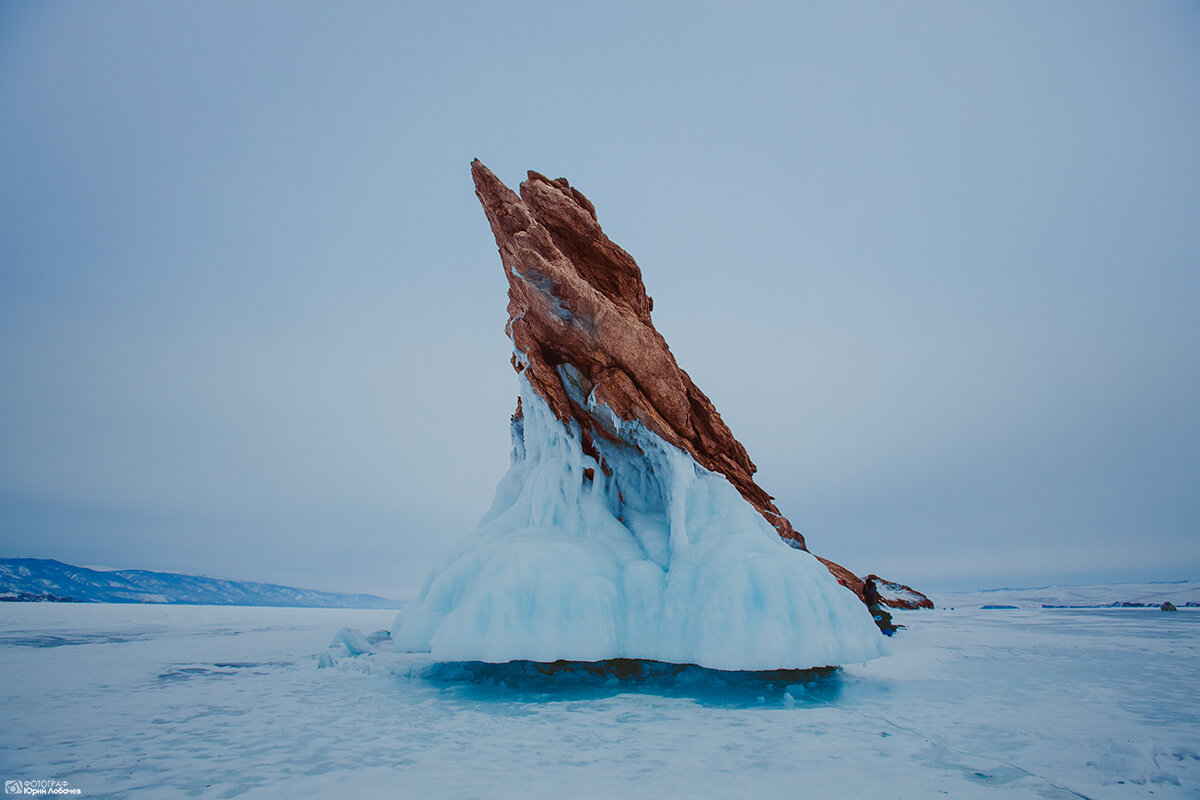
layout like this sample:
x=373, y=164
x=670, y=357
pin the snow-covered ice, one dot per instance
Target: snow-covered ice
x=194, y=701
x=654, y=557
x=1177, y=592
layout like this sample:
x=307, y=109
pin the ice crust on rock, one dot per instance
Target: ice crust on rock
x=646, y=556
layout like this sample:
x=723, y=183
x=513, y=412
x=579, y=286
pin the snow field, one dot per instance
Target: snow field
x=193, y=701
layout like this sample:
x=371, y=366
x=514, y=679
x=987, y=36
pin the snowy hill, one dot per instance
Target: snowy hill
x=1177, y=592
x=45, y=579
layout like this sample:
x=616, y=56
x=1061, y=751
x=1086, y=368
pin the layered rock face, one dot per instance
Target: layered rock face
x=579, y=313
x=897, y=595
x=579, y=319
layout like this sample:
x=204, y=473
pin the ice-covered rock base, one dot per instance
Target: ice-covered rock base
x=642, y=554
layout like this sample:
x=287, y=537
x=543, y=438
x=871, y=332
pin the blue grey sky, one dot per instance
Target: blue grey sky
x=937, y=264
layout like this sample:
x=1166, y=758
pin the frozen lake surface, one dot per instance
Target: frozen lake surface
x=194, y=701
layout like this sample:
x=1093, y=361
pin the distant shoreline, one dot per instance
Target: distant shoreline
x=37, y=580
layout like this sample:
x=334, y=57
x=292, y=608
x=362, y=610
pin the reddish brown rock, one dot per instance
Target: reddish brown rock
x=579, y=313
x=897, y=595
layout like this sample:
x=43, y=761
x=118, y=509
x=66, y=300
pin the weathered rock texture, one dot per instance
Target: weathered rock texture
x=897, y=595
x=579, y=313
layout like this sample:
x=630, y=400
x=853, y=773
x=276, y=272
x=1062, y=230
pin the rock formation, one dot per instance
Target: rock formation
x=579, y=320
x=628, y=525
x=897, y=595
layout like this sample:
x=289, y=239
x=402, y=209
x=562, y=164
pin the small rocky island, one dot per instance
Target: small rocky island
x=630, y=524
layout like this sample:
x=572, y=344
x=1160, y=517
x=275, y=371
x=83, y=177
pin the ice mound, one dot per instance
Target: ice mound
x=646, y=556
x=353, y=640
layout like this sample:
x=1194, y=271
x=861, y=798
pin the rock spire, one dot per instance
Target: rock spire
x=579, y=319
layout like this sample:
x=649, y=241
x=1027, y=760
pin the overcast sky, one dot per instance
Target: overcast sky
x=937, y=264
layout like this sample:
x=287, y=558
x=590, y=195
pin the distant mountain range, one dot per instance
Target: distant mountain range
x=37, y=579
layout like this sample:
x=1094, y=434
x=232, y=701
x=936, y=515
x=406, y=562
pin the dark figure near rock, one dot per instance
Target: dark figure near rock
x=881, y=616
x=870, y=592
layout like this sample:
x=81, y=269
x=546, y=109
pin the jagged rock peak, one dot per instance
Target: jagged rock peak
x=579, y=317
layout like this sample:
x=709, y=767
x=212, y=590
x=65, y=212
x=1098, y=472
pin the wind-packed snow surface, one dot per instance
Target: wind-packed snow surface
x=652, y=558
